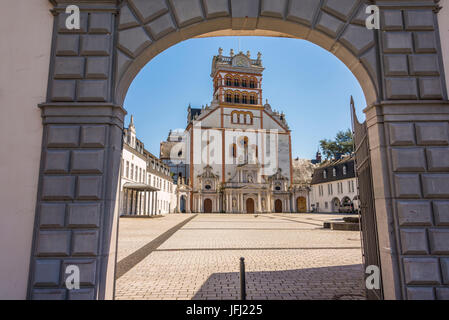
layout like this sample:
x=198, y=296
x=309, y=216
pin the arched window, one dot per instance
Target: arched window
x=235, y=117
x=244, y=83
x=252, y=99
x=236, y=98
x=248, y=119
x=228, y=97
x=228, y=81
x=252, y=83
x=245, y=99
x=236, y=82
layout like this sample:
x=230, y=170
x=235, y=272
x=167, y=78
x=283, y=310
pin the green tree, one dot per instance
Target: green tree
x=341, y=145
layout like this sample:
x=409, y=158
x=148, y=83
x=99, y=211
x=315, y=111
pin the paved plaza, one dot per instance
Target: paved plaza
x=183, y=257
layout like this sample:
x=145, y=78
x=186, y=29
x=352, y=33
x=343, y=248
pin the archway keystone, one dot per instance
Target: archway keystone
x=399, y=68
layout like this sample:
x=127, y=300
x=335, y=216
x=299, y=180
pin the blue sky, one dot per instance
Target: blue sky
x=309, y=84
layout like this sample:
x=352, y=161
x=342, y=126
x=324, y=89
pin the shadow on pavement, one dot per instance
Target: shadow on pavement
x=326, y=283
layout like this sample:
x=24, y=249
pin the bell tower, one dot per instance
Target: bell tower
x=237, y=79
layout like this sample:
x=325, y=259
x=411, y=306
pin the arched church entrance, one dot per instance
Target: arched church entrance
x=84, y=111
x=249, y=205
x=207, y=206
x=278, y=206
x=301, y=204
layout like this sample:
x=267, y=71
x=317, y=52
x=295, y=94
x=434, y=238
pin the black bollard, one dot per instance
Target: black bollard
x=242, y=279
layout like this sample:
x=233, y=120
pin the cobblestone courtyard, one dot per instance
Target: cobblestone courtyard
x=287, y=257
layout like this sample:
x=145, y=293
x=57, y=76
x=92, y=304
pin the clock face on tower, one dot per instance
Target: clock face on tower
x=240, y=62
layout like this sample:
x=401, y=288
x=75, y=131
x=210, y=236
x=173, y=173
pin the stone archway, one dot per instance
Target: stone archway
x=335, y=205
x=398, y=67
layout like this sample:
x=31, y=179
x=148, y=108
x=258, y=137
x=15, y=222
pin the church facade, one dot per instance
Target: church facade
x=235, y=155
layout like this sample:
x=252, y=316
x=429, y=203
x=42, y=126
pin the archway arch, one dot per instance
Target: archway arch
x=335, y=205
x=354, y=44
x=88, y=83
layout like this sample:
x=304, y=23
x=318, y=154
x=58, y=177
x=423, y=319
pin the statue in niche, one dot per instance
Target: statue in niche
x=234, y=202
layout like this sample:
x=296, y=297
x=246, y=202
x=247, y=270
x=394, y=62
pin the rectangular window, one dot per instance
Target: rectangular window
x=127, y=169
x=132, y=171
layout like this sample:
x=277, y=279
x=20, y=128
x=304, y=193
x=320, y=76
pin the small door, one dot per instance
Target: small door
x=208, y=206
x=278, y=206
x=301, y=204
x=249, y=205
x=183, y=204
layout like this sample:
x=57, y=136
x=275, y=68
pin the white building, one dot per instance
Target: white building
x=146, y=185
x=235, y=155
x=334, y=187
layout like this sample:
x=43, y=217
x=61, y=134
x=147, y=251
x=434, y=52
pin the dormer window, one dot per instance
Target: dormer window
x=325, y=174
x=345, y=170
x=334, y=172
